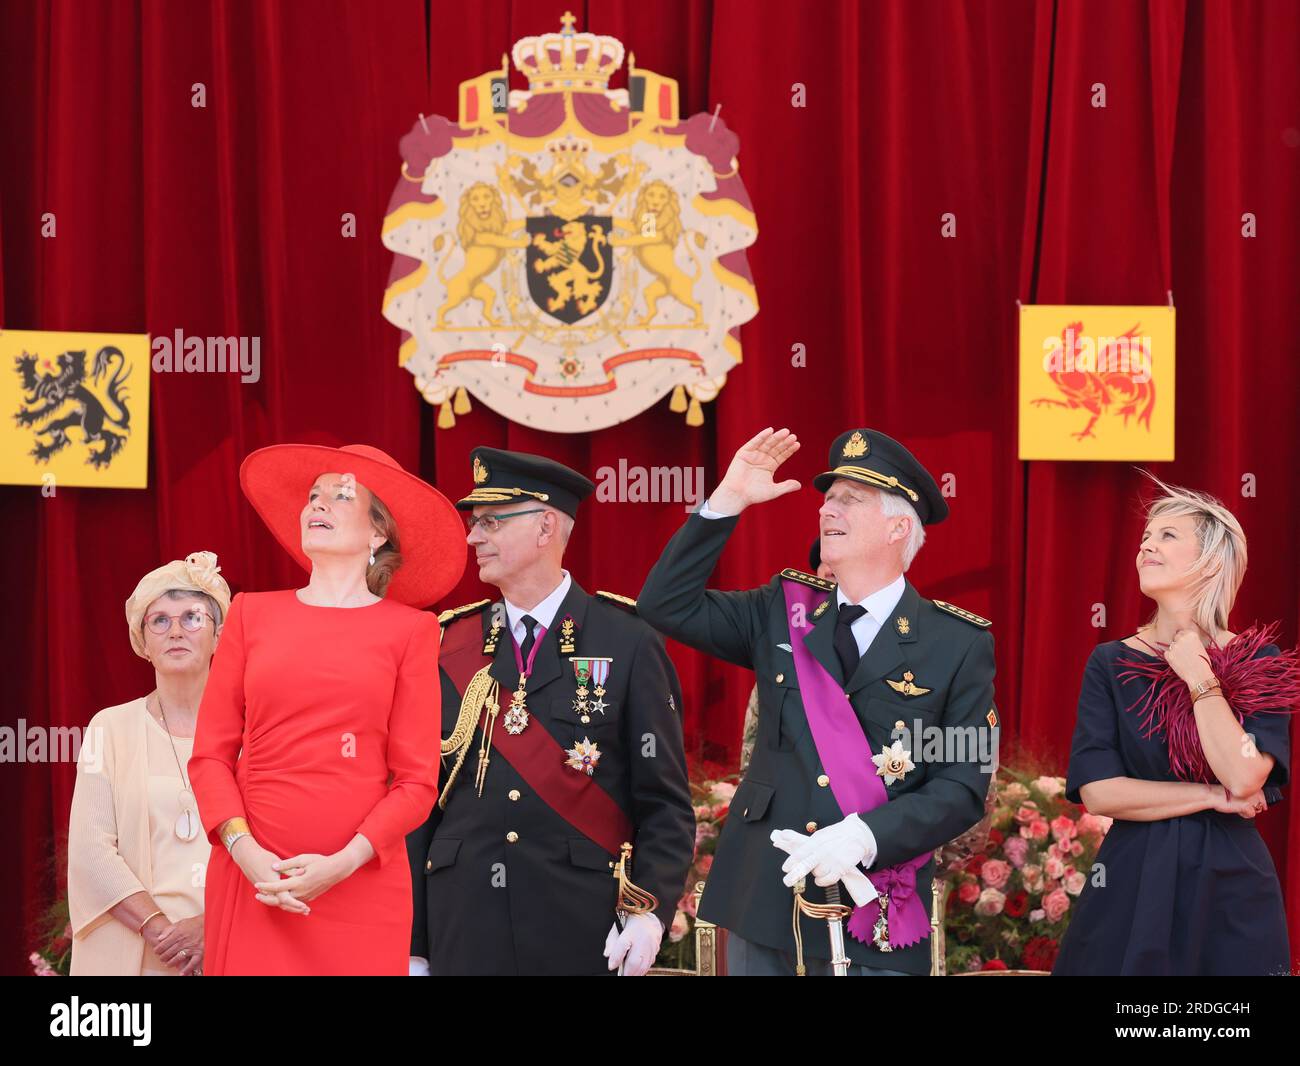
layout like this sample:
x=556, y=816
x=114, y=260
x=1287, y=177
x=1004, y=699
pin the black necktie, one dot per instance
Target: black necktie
x=846, y=645
x=529, y=640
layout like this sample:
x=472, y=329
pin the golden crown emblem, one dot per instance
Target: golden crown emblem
x=553, y=62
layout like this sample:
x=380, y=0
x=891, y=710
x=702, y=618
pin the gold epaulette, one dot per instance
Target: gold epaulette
x=809, y=579
x=963, y=614
x=622, y=601
x=457, y=612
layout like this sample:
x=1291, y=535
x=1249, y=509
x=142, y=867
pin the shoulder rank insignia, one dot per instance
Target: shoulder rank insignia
x=808, y=579
x=906, y=686
x=625, y=601
x=462, y=611
x=963, y=614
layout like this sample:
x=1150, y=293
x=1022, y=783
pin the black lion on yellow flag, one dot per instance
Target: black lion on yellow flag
x=87, y=403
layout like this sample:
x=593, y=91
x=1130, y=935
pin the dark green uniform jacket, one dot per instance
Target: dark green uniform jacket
x=949, y=652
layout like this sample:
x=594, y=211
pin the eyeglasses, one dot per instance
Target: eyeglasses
x=192, y=620
x=490, y=523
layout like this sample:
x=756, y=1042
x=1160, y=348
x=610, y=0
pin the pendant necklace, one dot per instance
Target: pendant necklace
x=187, y=823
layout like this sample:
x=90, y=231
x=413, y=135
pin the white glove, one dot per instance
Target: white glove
x=837, y=849
x=857, y=884
x=418, y=966
x=636, y=945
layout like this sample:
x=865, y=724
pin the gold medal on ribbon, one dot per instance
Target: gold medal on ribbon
x=516, y=718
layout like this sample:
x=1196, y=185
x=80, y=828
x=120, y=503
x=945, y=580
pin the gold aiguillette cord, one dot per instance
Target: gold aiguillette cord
x=482, y=693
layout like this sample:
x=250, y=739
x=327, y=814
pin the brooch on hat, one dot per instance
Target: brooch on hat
x=893, y=762
x=906, y=686
x=583, y=757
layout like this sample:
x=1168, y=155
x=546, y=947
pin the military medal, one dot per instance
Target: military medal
x=583, y=756
x=880, y=931
x=600, y=674
x=516, y=718
x=893, y=762
x=588, y=668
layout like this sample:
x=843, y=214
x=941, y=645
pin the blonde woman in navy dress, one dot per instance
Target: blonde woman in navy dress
x=1183, y=738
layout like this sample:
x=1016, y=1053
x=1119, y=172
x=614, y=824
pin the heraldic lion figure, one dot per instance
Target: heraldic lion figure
x=656, y=228
x=571, y=279
x=481, y=230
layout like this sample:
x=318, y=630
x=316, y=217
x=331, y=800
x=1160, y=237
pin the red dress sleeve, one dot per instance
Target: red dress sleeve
x=414, y=737
x=219, y=732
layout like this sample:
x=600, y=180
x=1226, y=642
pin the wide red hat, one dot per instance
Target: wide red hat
x=432, y=534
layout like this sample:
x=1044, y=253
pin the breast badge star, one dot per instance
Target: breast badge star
x=583, y=757
x=893, y=762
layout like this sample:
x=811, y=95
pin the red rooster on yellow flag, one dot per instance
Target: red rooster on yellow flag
x=1110, y=379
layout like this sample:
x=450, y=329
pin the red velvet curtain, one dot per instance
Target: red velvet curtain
x=226, y=220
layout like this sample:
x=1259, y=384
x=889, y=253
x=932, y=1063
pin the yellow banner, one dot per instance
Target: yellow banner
x=1097, y=383
x=75, y=409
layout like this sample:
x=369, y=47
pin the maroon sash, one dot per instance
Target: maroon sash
x=538, y=756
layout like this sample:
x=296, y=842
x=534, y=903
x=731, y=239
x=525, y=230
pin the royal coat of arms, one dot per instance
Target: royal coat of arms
x=572, y=253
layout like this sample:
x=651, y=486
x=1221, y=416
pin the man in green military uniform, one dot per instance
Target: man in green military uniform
x=876, y=729
x=562, y=741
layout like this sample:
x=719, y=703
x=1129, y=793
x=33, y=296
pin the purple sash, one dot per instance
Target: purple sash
x=846, y=755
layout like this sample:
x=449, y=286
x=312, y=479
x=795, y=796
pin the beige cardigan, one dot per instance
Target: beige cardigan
x=108, y=840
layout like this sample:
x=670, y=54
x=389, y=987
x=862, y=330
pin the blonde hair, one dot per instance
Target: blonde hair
x=1221, y=565
x=388, y=556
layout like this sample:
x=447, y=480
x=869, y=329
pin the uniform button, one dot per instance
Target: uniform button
x=513, y=793
x=780, y=678
x=811, y=827
x=511, y=837
x=823, y=780
x=428, y=865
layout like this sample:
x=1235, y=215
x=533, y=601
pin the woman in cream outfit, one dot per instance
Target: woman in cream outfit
x=137, y=853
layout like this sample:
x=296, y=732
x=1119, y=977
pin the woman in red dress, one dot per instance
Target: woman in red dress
x=317, y=741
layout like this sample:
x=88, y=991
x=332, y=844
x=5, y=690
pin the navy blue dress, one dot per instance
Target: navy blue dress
x=1194, y=895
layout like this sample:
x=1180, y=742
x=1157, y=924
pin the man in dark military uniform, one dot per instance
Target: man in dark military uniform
x=562, y=740
x=876, y=727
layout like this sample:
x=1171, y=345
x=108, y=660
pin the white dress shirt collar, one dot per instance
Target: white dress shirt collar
x=881, y=603
x=543, y=613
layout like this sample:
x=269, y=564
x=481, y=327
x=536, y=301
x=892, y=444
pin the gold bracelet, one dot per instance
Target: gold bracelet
x=233, y=830
x=156, y=914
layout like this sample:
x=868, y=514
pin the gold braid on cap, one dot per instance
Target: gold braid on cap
x=874, y=477
x=501, y=495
